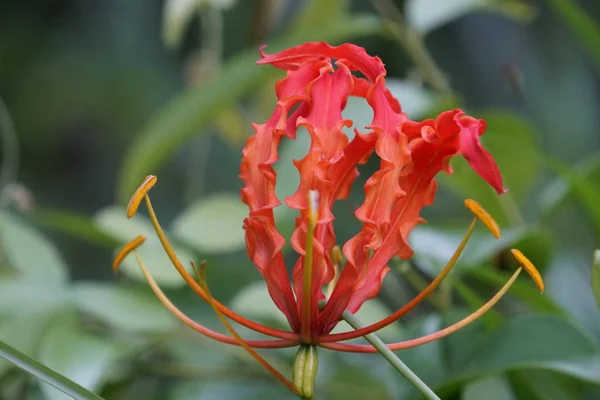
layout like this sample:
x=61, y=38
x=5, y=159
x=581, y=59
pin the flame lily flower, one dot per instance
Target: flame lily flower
x=320, y=79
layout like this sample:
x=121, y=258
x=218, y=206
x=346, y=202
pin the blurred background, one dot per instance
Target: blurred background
x=95, y=95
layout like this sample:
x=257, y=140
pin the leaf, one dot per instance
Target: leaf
x=567, y=283
x=586, y=191
x=583, y=25
x=557, y=190
x=83, y=358
x=196, y=108
x=65, y=385
x=318, y=12
x=113, y=221
x=508, y=138
x=529, y=342
x=23, y=333
x=523, y=289
x=21, y=297
x=426, y=15
x=254, y=301
x=252, y=390
x=519, y=345
x=30, y=253
x=491, y=388
x=77, y=225
x=213, y=224
x=159, y=265
x=127, y=309
x=369, y=313
x=434, y=247
x=177, y=15
x=596, y=276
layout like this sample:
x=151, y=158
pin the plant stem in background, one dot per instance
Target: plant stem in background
x=46, y=374
x=392, y=358
x=412, y=42
x=10, y=146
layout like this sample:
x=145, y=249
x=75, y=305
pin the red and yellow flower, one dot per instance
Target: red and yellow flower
x=320, y=79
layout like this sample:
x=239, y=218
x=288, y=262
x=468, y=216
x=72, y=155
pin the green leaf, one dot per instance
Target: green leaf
x=196, y=108
x=585, y=190
x=508, y=138
x=65, y=385
x=74, y=224
x=529, y=342
x=583, y=25
x=113, y=221
x=159, y=265
x=83, y=358
x=127, y=309
x=490, y=388
x=596, y=276
x=318, y=12
x=523, y=289
x=426, y=15
x=21, y=296
x=213, y=224
x=557, y=190
x=23, y=332
x=30, y=253
x=434, y=247
x=178, y=14
x=254, y=301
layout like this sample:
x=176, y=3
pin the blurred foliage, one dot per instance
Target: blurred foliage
x=103, y=93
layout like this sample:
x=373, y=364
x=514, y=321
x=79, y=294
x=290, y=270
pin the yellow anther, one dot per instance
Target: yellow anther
x=128, y=248
x=139, y=194
x=484, y=217
x=530, y=268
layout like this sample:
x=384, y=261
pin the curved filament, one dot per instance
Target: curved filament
x=277, y=333
x=337, y=337
x=355, y=348
x=290, y=385
x=264, y=344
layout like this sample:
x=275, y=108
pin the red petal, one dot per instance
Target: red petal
x=478, y=158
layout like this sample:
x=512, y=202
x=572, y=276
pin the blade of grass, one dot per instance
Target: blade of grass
x=46, y=374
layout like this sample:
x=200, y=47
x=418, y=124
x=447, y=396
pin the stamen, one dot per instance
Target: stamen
x=278, y=333
x=128, y=248
x=355, y=348
x=311, y=222
x=265, y=344
x=336, y=260
x=484, y=216
x=241, y=341
x=139, y=194
x=337, y=337
x=529, y=268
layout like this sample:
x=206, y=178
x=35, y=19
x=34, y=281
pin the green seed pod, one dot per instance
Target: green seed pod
x=305, y=370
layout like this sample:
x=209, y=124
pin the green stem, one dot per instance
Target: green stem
x=46, y=374
x=413, y=44
x=392, y=358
